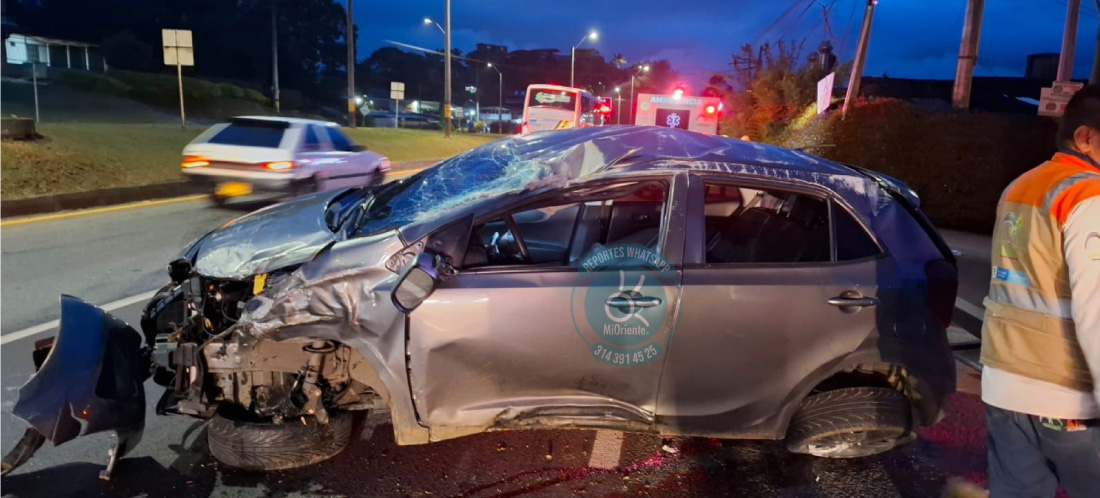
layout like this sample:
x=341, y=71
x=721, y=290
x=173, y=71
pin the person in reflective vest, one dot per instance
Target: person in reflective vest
x=1041, y=334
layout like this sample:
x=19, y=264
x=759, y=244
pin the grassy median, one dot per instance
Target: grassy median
x=79, y=157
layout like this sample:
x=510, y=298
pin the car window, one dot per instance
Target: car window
x=251, y=133
x=852, y=240
x=747, y=225
x=562, y=234
x=311, y=141
x=339, y=140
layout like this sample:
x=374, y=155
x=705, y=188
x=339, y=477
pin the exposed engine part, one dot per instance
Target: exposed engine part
x=310, y=385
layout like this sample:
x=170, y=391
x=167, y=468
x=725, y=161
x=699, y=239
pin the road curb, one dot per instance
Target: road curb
x=95, y=198
x=45, y=204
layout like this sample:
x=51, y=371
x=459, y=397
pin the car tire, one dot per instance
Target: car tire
x=219, y=200
x=307, y=186
x=268, y=446
x=851, y=422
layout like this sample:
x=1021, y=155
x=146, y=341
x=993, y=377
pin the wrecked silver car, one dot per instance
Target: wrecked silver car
x=631, y=278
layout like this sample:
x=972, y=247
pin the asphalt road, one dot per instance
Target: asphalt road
x=108, y=257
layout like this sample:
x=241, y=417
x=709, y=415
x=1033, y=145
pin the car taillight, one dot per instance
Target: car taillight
x=194, y=162
x=384, y=166
x=279, y=165
x=943, y=287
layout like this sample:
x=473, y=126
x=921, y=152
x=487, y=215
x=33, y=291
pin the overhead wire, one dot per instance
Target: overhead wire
x=782, y=17
x=847, y=30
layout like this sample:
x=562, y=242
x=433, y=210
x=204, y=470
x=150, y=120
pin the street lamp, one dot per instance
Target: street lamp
x=573, y=59
x=619, y=105
x=643, y=68
x=500, y=96
x=428, y=20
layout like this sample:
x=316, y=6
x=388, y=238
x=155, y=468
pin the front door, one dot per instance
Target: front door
x=560, y=313
x=767, y=302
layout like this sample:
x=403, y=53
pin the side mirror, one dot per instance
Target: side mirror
x=416, y=283
x=358, y=148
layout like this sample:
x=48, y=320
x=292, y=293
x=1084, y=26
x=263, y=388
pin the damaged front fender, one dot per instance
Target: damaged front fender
x=92, y=379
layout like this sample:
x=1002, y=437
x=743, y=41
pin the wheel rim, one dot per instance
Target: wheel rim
x=854, y=444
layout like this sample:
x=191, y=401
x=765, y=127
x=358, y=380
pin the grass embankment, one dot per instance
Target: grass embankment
x=79, y=157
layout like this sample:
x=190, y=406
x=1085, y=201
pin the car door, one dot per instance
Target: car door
x=508, y=341
x=768, y=301
x=358, y=166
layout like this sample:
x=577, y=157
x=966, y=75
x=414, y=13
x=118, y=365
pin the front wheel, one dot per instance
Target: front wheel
x=851, y=422
x=268, y=446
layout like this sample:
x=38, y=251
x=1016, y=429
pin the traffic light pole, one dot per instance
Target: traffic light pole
x=861, y=57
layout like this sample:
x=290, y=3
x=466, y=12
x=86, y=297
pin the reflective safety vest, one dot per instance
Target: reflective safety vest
x=1029, y=327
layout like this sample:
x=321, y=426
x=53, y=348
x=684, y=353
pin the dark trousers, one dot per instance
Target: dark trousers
x=1029, y=455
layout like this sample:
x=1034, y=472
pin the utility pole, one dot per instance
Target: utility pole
x=1094, y=78
x=275, y=56
x=1069, y=42
x=861, y=57
x=350, y=36
x=447, y=73
x=968, y=54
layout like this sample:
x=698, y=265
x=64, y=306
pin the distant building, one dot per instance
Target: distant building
x=50, y=54
x=490, y=49
x=1042, y=67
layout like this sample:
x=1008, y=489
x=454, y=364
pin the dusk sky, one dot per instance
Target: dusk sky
x=910, y=38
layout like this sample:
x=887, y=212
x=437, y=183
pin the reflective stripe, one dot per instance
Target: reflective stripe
x=1058, y=190
x=1025, y=298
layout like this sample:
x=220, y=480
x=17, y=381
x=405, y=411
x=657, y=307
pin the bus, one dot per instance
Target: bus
x=554, y=107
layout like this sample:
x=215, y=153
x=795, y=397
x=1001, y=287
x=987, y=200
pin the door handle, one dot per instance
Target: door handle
x=848, y=300
x=621, y=301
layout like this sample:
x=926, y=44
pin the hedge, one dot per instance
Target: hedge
x=958, y=162
x=163, y=89
x=94, y=82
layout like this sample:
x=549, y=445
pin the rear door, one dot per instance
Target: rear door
x=768, y=300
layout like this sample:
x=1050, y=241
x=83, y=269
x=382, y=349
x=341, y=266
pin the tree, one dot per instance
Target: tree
x=769, y=88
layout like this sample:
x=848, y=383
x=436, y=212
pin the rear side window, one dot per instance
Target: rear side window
x=311, y=141
x=852, y=241
x=747, y=225
x=339, y=141
x=251, y=134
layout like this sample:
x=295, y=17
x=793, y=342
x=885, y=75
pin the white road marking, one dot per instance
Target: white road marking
x=970, y=309
x=606, y=450
x=38, y=329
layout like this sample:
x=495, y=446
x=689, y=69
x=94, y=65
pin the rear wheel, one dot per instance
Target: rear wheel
x=268, y=446
x=307, y=186
x=218, y=200
x=851, y=422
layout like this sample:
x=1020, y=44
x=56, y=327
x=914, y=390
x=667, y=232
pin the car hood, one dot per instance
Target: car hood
x=274, y=237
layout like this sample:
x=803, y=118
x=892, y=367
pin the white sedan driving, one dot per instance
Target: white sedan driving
x=293, y=156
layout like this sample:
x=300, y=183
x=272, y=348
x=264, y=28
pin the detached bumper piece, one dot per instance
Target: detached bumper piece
x=90, y=381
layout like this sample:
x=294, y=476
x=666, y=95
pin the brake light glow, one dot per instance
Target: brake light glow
x=194, y=162
x=279, y=165
x=605, y=109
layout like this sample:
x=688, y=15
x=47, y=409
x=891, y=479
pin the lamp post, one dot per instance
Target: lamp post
x=573, y=59
x=643, y=68
x=619, y=105
x=428, y=20
x=500, y=96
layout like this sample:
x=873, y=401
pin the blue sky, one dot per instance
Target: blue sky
x=910, y=38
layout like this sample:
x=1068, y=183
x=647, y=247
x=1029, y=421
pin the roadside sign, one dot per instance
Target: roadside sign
x=178, y=47
x=1053, y=100
x=179, y=51
x=397, y=90
x=825, y=92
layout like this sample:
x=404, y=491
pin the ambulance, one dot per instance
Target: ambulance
x=699, y=114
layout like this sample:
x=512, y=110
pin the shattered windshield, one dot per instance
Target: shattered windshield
x=484, y=172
